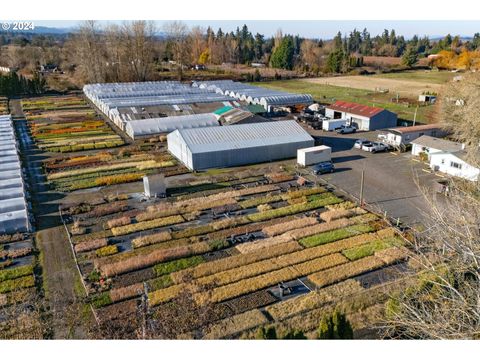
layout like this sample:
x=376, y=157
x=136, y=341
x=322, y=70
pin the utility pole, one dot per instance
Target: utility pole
x=415, y=116
x=144, y=310
x=361, y=187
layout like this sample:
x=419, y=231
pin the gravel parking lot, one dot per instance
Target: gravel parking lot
x=394, y=182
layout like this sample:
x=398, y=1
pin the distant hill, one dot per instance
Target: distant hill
x=40, y=30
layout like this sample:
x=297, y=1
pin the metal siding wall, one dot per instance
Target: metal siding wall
x=383, y=120
x=238, y=157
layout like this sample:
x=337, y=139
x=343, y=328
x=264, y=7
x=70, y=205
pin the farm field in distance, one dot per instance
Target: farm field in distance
x=361, y=89
x=428, y=77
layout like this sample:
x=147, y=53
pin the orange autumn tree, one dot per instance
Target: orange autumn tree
x=466, y=60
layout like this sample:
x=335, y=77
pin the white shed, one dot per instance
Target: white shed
x=314, y=155
x=454, y=164
x=430, y=145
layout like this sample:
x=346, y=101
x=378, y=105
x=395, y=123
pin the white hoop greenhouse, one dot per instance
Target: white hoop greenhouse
x=13, y=205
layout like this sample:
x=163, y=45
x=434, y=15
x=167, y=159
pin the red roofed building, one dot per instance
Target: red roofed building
x=363, y=117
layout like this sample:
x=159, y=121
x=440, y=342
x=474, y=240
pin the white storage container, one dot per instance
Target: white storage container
x=314, y=155
x=329, y=125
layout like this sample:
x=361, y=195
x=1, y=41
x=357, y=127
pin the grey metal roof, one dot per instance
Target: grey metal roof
x=243, y=136
x=167, y=124
x=13, y=207
x=255, y=94
x=437, y=143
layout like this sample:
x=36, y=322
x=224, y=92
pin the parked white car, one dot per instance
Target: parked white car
x=359, y=143
x=374, y=147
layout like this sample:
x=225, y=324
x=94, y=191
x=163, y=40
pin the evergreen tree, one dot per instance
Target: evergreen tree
x=476, y=41
x=325, y=330
x=410, y=57
x=282, y=58
x=13, y=84
x=366, y=43
x=337, y=41
x=341, y=326
x=266, y=333
x=335, y=61
x=335, y=326
x=258, y=46
x=294, y=335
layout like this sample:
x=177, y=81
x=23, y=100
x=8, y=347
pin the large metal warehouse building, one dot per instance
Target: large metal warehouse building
x=224, y=146
x=13, y=205
x=363, y=117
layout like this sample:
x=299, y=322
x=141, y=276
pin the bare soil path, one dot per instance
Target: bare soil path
x=61, y=280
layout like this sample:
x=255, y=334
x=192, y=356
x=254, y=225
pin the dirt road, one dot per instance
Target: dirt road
x=405, y=88
x=60, y=277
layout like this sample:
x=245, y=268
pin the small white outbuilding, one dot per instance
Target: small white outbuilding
x=314, y=155
x=154, y=185
x=454, y=164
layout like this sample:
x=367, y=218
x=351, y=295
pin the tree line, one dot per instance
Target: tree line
x=138, y=50
x=13, y=84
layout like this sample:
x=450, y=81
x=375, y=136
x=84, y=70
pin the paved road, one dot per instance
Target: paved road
x=394, y=182
x=60, y=277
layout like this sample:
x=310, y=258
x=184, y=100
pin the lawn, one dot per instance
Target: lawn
x=327, y=94
x=436, y=77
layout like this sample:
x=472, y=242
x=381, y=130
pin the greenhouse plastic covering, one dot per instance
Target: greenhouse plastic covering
x=113, y=96
x=154, y=126
x=13, y=206
x=255, y=94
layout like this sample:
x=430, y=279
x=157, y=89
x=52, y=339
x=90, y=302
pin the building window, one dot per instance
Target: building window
x=455, y=165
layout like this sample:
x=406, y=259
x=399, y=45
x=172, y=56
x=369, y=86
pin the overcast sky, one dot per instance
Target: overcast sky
x=326, y=28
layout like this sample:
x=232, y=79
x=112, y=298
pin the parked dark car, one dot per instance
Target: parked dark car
x=323, y=168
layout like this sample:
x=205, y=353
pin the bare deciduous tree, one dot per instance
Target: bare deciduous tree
x=445, y=302
x=88, y=52
x=180, y=44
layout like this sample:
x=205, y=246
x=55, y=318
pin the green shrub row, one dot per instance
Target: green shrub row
x=159, y=283
x=88, y=146
x=259, y=201
x=16, y=284
x=303, y=192
x=193, y=231
x=101, y=300
x=106, y=250
x=372, y=247
x=294, y=209
x=334, y=235
x=176, y=265
x=17, y=272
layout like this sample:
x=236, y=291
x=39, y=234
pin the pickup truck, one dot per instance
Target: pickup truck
x=374, y=147
x=346, y=129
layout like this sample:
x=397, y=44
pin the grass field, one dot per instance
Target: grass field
x=327, y=94
x=434, y=77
